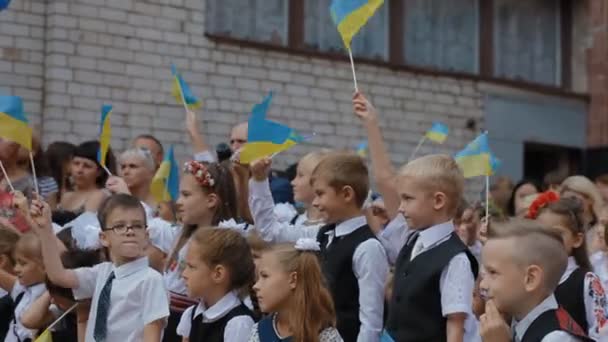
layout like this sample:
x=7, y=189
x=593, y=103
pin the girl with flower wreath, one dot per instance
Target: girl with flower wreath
x=206, y=198
x=580, y=291
x=290, y=286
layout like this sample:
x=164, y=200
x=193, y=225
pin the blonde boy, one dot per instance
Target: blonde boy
x=434, y=271
x=523, y=263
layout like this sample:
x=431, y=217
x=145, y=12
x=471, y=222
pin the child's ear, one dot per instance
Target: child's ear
x=219, y=273
x=212, y=201
x=534, y=278
x=293, y=280
x=578, y=240
x=348, y=193
x=439, y=200
x=103, y=238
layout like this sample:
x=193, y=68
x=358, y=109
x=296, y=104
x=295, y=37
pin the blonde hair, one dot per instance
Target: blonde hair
x=438, y=172
x=340, y=169
x=311, y=307
x=29, y=246
x=314, y=158
x=8, y=240
x=583, y=185
x=139, y=153
x=536, y=245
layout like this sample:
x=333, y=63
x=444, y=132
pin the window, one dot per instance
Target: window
x=442, y=34
x=321, y=32
x=527, y=40
x=257, y=20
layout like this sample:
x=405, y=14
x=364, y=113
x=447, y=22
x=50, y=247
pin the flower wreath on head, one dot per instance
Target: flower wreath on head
x=200, y=172
x=541, y=201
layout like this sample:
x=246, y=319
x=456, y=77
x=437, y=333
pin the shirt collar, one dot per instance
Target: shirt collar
x=219, y=309
x=550, y=303
x=129, y=268
x=572, y=266
x=36, y=290
x=350, y=225
x=434, y=234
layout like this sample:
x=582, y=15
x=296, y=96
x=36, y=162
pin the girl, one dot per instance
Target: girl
x=59, y=155
x=290, y=286
x=580, y=292
x=137, y=168
x=88, y=178
x=207, y=197
x=8, y=240
x=218, y=264
x=27, y=286
x=261, y=203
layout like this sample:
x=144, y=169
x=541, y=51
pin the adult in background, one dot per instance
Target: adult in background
x=150, y=143
x=518, y=202
x=59, y=156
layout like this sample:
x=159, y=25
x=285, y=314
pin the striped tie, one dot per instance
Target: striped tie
x=103, y=307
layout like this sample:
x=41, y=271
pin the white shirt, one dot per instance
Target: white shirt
x=475, y=249
x=17, y=332
x=173, y=276
x=522, y=326
x=599, y=262
x=237, y=329
x=456, y=283
x=138, y=298
x=272, y=229
x=594, y=299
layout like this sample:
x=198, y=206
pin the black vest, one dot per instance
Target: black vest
x=550, y=321
x=415, y=308
x=214, y=331
x=7, y=311
x=570, y=296
x=337, y=264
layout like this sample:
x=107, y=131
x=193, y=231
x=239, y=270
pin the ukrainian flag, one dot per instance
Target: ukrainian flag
x=181, y=91
x=265, y=137
x=13, y=123
x=476, y=158
x=105, y=134
x=351, y=15
x=165, y=184
x=45, y=337
x=4, y=4
x=362, y=149
x=438, y=132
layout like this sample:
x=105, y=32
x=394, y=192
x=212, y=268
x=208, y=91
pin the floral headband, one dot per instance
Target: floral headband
x=200, y=173
x=541, y=201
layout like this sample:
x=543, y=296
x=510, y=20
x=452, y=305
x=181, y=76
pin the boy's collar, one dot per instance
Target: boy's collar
x=348, y=226
x=520, y=328
x=436, y=233
x=131, y=267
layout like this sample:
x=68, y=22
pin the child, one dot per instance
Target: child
x=207, y=197
x=290, y=286
x=129, y=302
x=262, y=204
x=354, y=262
x=8, y=240
x=26, y=287
x=580, y=292
x=218, y=264
x=523, y=263
x=434, y=272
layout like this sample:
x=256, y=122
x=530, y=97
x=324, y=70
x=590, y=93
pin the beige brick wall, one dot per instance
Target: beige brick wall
x=69, y=57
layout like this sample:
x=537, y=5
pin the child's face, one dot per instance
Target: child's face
x=417, y=204
x=273, y=287
x=198, y=275
x=131, y=244
x=28, y=271
x=502, y=279
x=193, y=204
x=331, y=203
x=552, y=220
x=302, y=191
x=156, y=258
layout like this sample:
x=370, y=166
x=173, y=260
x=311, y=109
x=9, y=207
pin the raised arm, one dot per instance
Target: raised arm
x=382, y=166
x=199, y=145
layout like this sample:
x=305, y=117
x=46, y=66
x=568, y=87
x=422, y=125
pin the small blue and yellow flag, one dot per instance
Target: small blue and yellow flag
x=13, y=122
x=165, y=184
x=181, y=91
x=105, y=134
x=438, y=132
x=351, y=15
x=4, y=4
x=45, y=336
x=476, y=158
x=361, y=149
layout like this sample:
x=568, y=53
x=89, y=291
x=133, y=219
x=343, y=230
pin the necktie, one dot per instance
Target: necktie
x=103, y=307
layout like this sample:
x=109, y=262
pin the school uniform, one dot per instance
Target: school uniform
x=266, y=331
x=547, y=323
x=353, y=261
x=22, y=298
x=227, y=320
x=131, y=296
x=7, y=310
x=434, y=277
x=582, y=295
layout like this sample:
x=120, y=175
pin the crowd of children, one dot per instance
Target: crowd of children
x=95, y=258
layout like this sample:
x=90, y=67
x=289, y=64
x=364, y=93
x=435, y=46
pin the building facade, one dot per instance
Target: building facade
x=533, y=73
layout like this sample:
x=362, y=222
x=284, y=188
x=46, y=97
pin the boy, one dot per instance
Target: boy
x=354, y=262
x=434, y=271
x=523, y=263
x=129, y=301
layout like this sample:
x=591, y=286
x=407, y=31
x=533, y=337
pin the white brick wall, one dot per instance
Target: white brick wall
x=119, y=51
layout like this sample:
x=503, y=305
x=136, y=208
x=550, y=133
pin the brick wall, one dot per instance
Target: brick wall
x=69, y=57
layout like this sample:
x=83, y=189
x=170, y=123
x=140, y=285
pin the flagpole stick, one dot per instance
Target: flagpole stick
x=422, y=140
x=8, y=180
x=62, y=316
x=352, y=66
x=487, y=197
x=106, y=170
x=34, y=173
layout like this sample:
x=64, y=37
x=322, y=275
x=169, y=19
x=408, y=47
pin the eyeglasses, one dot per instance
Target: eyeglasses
x=122, y=228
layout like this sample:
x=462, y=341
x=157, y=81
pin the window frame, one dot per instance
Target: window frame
x=485, y=35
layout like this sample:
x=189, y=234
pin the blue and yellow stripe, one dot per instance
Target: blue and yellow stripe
x=105, y=134
x=438, y=132
x=165, y=184
x=351, y=15
x=181, y=91
x=14, y=125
